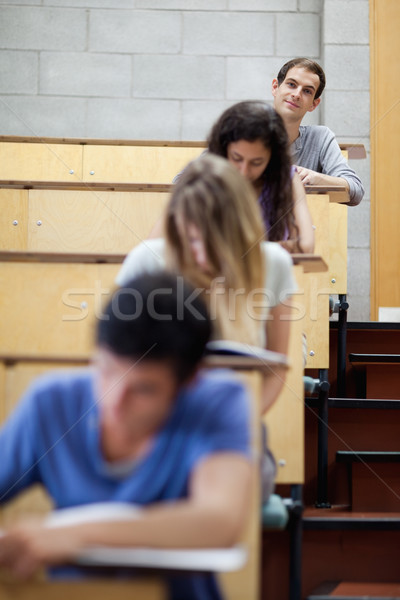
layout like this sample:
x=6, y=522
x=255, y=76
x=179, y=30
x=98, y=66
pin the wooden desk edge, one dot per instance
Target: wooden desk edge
x=311, y=263
x=16, y=184
x=336, y=193
x=212, y=361
x=60, y=257
x=354, y=150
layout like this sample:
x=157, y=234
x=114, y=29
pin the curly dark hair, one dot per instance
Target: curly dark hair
x=256, y=120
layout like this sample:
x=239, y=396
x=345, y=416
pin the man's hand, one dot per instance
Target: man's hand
x=308, y=177
x=29, y=546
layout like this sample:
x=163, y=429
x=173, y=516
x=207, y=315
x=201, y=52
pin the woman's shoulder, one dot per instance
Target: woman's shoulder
x=275, y=254
x=148, y=256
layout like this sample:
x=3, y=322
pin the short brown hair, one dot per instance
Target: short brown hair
x=309, y=65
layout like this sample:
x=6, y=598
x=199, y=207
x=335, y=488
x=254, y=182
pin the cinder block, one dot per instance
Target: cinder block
x=359, y=225
x=133, y=119
x=21, y=2
x=135, y=31
x=178, y=77
x=183, y=4
x=18, y=72
x=346, y=22
x=199, y=117
x=312, y=118
x=315, y=6
x=358, y=270
x=90, y=3
x=359, y=308
x=347, y=113
x=347, y=67
x=263, y=5
x=298, y=34
x=228, y=34
x=43, y=116
x=251, y=77
x=85, y=74
x=43, y=28
x=363, y=169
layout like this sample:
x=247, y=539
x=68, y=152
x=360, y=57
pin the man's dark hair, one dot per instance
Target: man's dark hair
x=309, y=65
x=157, y=317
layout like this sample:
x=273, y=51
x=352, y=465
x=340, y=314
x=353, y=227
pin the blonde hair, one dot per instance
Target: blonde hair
x=214, y=197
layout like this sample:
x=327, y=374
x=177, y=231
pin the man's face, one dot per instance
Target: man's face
x=296, y=94
x=135, y=397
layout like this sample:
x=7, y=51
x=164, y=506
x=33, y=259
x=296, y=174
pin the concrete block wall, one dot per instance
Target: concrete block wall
x=165, y=69
x=345, y=109
x=152, y=69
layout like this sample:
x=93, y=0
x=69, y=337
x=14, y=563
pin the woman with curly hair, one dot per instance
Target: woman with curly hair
x=252, y=136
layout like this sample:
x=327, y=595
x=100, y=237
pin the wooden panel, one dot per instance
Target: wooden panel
x=318, y=205
x=285, y=420
x=385, y=172
x=143, y=164
x=316, y=287
x=245, y=583
x=13, y=219
x=52, y=162
x=316, y=319
x=49, y=309
x=147, y=589
x=338, y=248
x=91, y=221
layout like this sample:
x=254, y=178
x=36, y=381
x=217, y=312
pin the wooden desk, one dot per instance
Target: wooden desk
x=103, y=589
x=97, y=160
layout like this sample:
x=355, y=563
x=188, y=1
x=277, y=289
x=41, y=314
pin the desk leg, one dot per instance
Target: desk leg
x=322, y=494
x=296, y=540
x=341, y=346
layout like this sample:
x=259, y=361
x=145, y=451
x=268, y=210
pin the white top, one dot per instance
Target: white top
x=279, y=282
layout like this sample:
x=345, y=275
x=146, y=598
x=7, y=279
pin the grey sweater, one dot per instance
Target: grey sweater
x=317, y=149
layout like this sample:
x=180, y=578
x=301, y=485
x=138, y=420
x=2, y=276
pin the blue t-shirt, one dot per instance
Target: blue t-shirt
x=53, y=438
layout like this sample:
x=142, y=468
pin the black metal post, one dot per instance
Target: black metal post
x=296, y=543
x=322, y=493
x=341, y=346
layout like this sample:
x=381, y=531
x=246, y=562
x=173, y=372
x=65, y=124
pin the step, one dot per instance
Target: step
x=372, y=403
x=374, y=359
x=347, y=590
x=339, y=518
x=373, y=479
x=349, y=456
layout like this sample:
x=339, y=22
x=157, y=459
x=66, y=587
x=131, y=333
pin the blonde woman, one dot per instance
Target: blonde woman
x=214, y=238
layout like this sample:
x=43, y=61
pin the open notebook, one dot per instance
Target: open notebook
x=232, y=348
x=212, y=559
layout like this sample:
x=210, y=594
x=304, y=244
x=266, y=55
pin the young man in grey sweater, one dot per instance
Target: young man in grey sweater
x=316, y=153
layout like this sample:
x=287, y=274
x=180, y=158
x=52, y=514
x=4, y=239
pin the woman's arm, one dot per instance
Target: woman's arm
x=278, y=331
x=157, y=231
x=303, y=239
